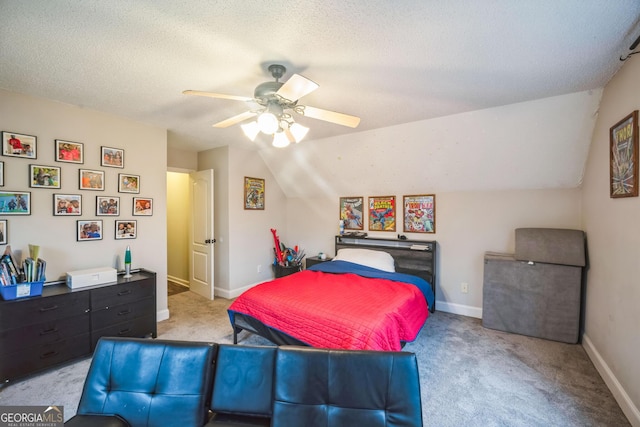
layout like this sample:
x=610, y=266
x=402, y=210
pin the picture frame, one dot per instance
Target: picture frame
x=128, y=183
x=89, y=230
x=112, y=157
x=3, y=231
x=1, y=174
x=126, y=229
x=67, y=204
x=15, y=203
x=44, y=176
x=91, y=179
x=107, y=206
x=623, y=157
x=19, y=145
x=382, y=213
x=351, y=212
x=419, y=213
x=69, y=151
x=142, y=206
x=254, y=193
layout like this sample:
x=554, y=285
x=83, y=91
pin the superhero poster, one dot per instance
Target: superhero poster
x=382, y=213
x=420, y=213
x=351, y=209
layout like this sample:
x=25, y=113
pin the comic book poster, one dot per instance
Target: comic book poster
x=420, y=213
x=382, y=213
x=253, y=193
x=351, y=212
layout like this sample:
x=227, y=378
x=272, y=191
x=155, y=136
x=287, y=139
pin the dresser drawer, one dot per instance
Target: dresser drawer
x=43, y=333
x=20, y=313
x=35, y=358
x=110, y=296
x=122, y=313
x=140, y=327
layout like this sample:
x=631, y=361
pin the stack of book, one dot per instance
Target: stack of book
x=32, y=270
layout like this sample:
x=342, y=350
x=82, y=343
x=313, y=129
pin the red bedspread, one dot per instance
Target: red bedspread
x=338, y=310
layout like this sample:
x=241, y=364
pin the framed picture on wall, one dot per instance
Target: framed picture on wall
x=142, y=206
x=108, y=205
x=254, y=193
x=69, y=152
x=419, y=213
x=44, y=176
x=126, y=229
x=91, y=180
x=15, y=203
x=623, y=157
x=382, y=213
x=67, y=204
x=351, y=212
x=19, y=145
x=89, y=230
x=128, y=183
x=112, y=157
x=3, y=231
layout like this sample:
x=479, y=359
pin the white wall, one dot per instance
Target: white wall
x=612, y=322
x=145, y=155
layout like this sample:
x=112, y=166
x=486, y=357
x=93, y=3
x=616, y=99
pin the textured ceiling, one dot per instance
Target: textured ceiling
x=389, y=62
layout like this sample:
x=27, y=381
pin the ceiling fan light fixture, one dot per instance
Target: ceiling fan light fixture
x=298, y=131
x=251, y=130
x=280, y=140
x=268, y=123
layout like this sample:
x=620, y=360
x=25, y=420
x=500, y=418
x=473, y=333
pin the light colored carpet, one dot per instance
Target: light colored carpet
x=470, y=376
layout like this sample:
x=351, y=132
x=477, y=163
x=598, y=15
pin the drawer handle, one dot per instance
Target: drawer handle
x=49, y=354
x=125, y=292
x=53, y=307
x=124, y=331
x=124, y=312
x=49, y=331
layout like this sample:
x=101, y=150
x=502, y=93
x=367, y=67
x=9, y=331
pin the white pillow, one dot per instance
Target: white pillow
x=367, y=257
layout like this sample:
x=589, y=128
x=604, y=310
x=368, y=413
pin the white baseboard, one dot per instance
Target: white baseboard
x=464, y=310
x=162, y=315
x=234, y=293
x=178, y=281
x=630, y=410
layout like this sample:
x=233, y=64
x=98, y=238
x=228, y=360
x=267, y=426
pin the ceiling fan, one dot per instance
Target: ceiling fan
x=276, y=101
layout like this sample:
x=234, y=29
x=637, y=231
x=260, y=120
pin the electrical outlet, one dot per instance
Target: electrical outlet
x=259, y=268
x=464, y=288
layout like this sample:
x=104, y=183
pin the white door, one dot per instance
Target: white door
x=202, y=240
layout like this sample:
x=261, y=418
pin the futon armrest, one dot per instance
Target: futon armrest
x=97, y=420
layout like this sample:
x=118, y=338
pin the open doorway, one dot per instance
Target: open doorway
x=178, y=226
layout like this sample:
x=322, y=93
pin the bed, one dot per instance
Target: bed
x=376, y=294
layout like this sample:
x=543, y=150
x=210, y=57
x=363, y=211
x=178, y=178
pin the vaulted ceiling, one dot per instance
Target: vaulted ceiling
x=388, y=62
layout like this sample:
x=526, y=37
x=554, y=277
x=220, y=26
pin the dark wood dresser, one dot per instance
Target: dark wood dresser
x=64, y=324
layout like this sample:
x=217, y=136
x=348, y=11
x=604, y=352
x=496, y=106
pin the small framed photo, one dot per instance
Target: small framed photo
x=107, y=205
x=91, y=180
x=15, y=203
x=1, y=174
x=67, y=204
x=128, y=183
x=351, y=212
x=254, y=193
x=112, y=157
x=382, y=213
x=142, y=206
x=3, y=231
x=19, y=145
x=419, y=213
x=89, y=230
x=69, y=152
x=126, y=229
x=44, y=176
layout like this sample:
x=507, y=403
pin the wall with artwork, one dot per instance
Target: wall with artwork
x=83, y=186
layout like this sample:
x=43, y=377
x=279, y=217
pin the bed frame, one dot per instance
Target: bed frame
x=416, y=257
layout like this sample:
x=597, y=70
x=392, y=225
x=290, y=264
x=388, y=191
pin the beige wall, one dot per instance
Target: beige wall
x=178, y=226
x=145, y=155
x=612, y=324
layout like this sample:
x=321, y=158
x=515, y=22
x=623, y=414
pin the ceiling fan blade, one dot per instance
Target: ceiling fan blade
x=330, y=116
x=296, y=87
x=235, y=119
x=217, y=95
